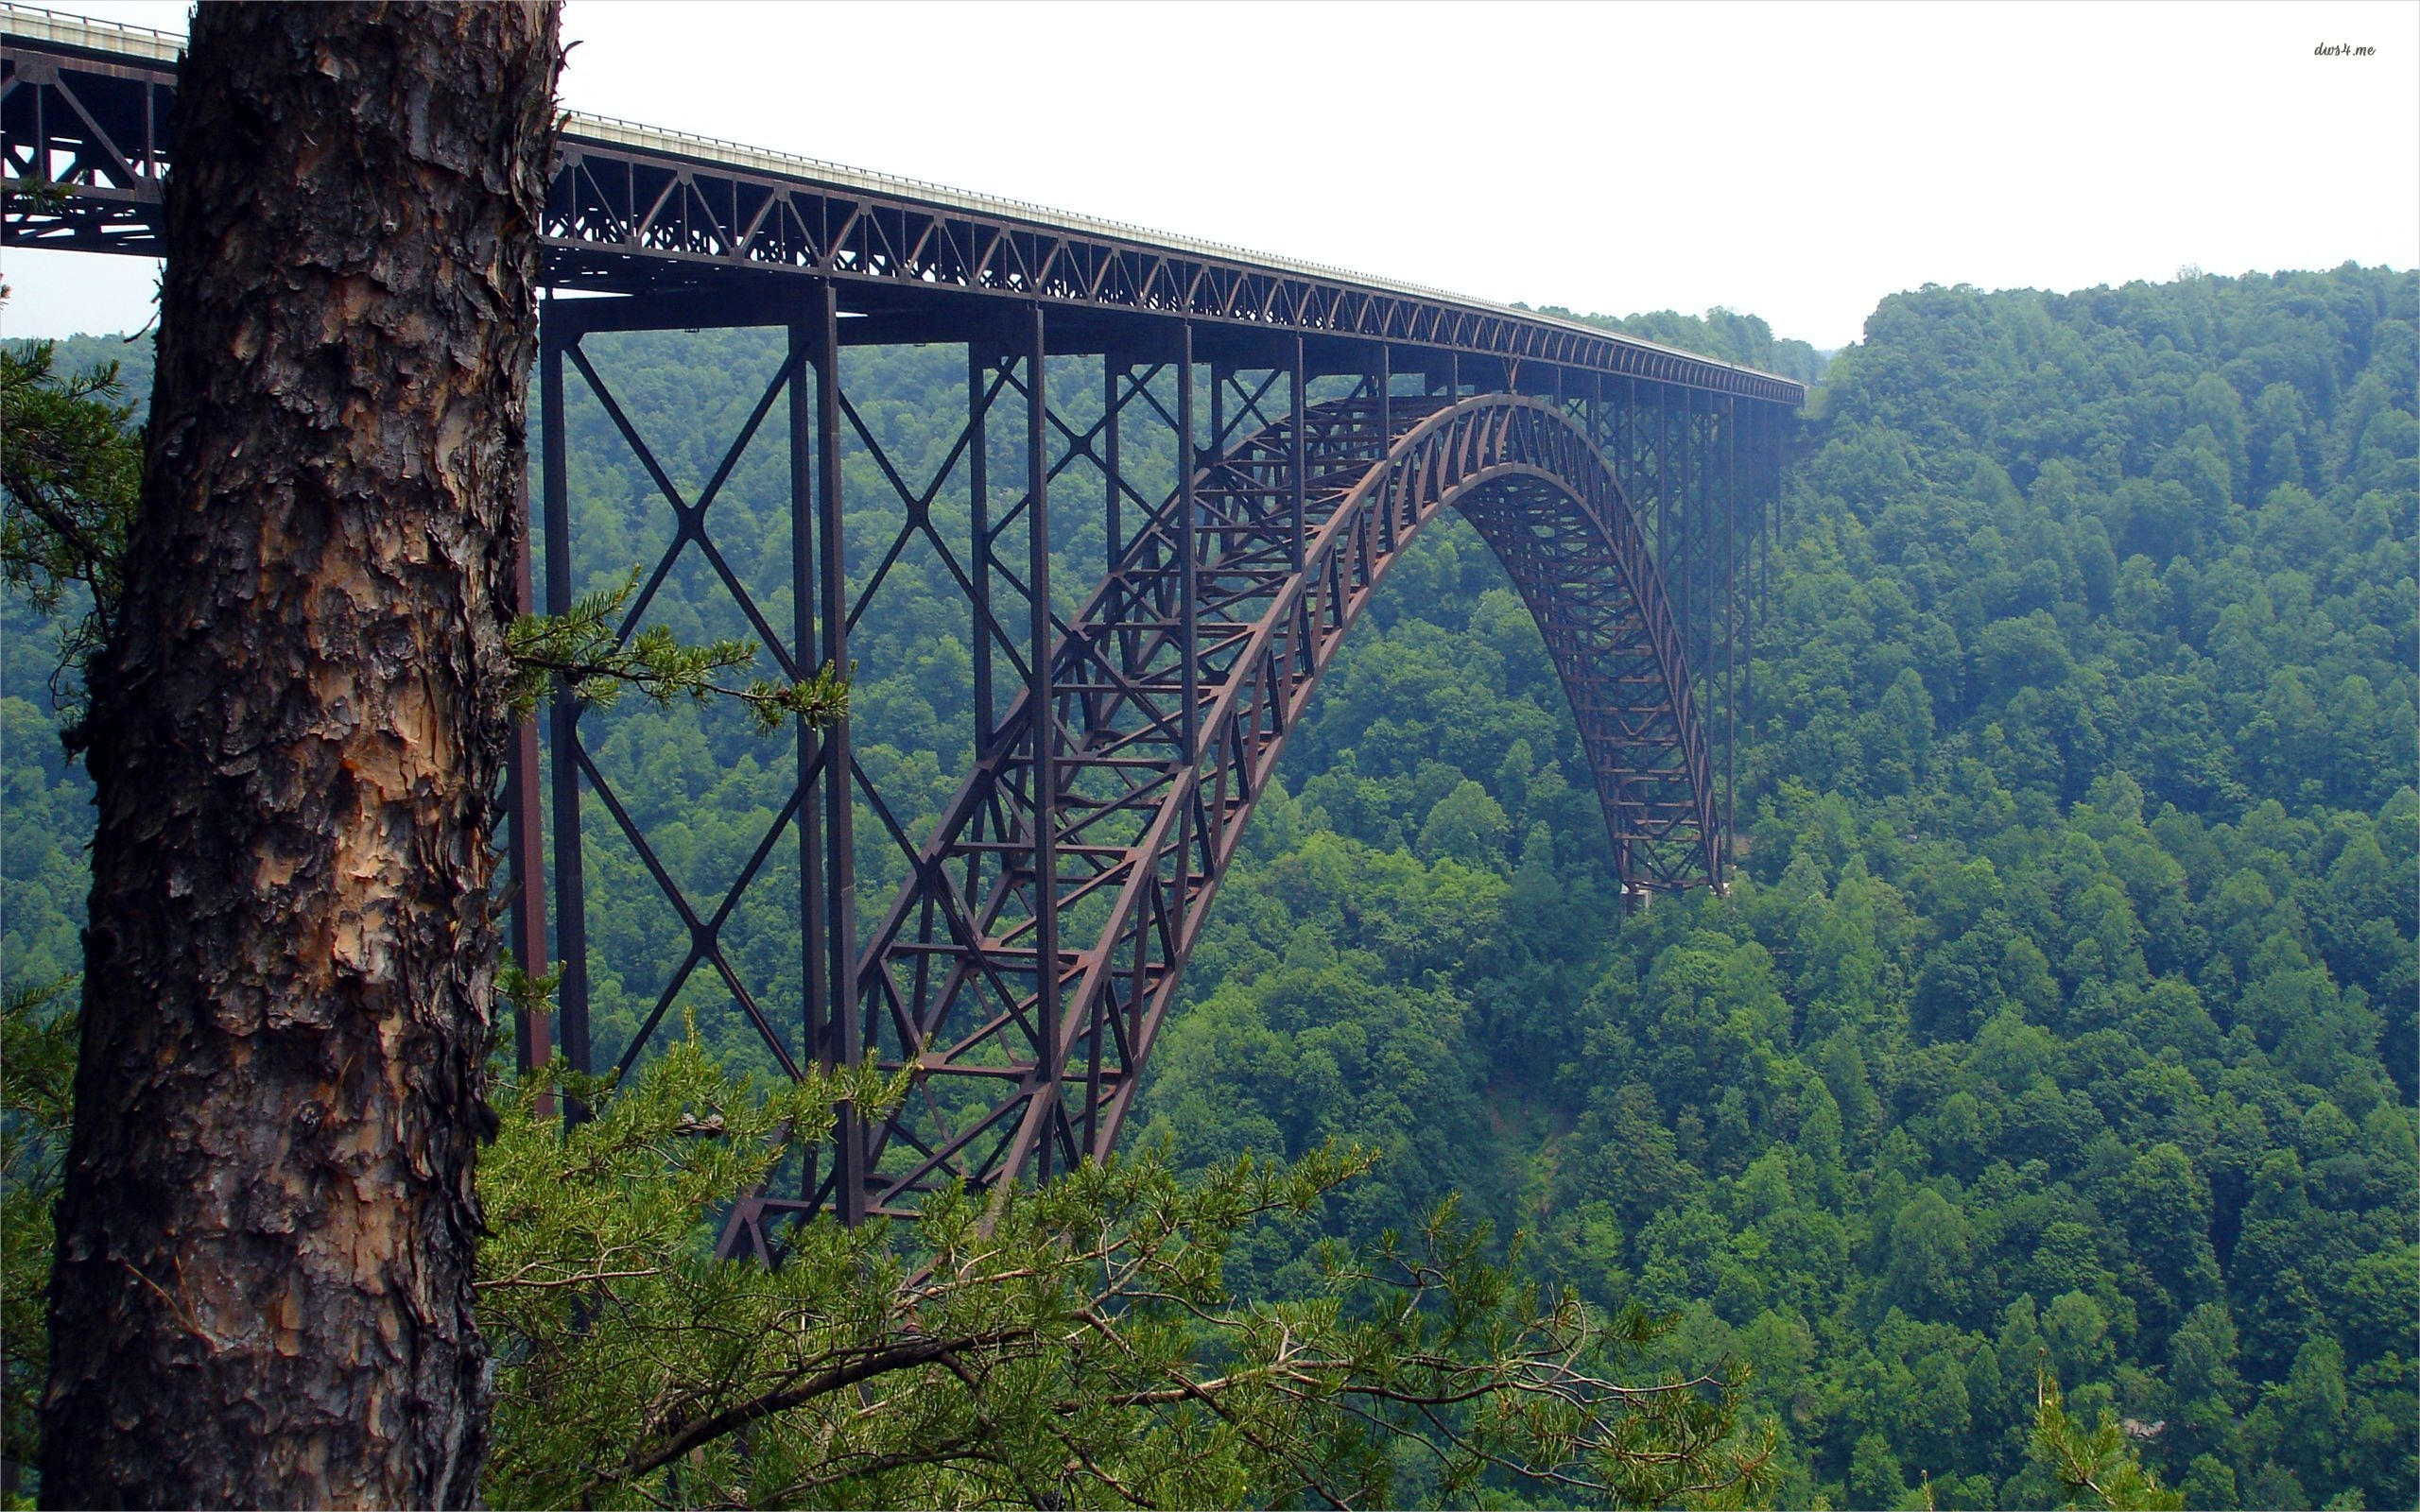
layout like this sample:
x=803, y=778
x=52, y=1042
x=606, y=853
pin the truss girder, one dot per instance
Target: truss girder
x=92, y=133
x=631, y=210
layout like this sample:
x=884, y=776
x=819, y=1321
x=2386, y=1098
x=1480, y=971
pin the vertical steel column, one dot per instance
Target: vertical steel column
x=1776, y=429
x=1103, y=1004
x=1752, y=620
x=824, y=1026
x=1606, y=428
x=1386, y=399
x=1700, y=489
x=1187, y=563
x=1221, y=374
x=1111, y=413
x=1664, y=490
x=839, y=807
x=1702, y=468
x=1187, y=642
x=1624, y=428
x=1387, y=435
x=1635, y=447
x=1730, y=622
x=978, y=490
x=1692, y=544
x=1045, y=717
x=1684, y=523
x=1781, y=515
x=562, y=714
x=1299, y=462
x=820, y=1039
x=532, y=1038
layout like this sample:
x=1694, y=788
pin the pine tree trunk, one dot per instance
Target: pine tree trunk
x=264, y=1285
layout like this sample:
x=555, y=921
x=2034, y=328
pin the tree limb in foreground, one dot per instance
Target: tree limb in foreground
x=1079, y=1348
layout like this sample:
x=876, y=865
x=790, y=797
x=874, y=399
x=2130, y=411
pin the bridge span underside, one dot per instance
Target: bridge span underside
x=1245, y=492
x=1242, y=445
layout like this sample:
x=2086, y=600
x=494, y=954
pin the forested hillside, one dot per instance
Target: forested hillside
x=2064, y=1018
x=2067, y=1015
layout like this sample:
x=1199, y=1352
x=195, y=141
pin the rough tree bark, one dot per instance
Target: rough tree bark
x=263, y=1292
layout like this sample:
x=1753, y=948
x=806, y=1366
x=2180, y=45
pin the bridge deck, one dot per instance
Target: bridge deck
x=88, y=106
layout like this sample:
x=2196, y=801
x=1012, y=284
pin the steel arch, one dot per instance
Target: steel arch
x=1171, y=693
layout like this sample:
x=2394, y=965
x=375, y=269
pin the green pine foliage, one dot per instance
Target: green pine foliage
x=1076, y=1346
x=37, y=1076
x=88, y=390
x=70, y=469
x=580, y=649
x=2095, y=1467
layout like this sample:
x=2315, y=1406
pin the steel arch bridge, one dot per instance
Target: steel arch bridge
x=1253, y=442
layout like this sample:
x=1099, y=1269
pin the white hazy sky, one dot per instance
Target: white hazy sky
x=1798, y=162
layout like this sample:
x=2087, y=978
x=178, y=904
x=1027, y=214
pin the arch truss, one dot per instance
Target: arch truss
x=1016, y=950
x=1024, y=971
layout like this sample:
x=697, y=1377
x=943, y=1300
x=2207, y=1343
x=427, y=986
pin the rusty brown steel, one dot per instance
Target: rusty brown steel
x=1146, y=805
x=1023, y=970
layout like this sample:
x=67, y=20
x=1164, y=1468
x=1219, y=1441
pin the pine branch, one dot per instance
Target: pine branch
x=584, y=649
x=71, y=474
x=906, y=1356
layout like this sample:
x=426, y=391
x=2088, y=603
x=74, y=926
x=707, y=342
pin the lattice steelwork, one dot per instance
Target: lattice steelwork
x=1170, y=697
x=1317, y=421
